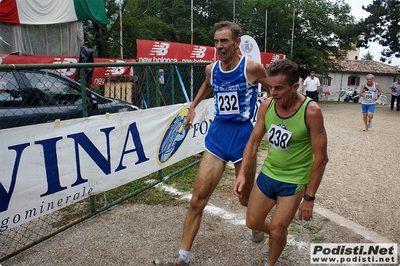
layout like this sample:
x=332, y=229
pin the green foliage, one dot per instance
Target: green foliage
x=98, y=89
x=326, y=32
x=382, y=26
x=322, y=29
x=312, y=228
x=367, y=56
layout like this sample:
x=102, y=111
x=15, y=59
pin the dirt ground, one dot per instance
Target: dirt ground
x=358, y=202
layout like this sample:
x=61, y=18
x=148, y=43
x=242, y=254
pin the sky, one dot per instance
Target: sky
x=374, y=48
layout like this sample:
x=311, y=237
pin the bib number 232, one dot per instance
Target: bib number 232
x=279, y=137
x=228, y=103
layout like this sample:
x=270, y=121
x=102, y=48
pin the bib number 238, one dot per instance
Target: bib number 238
x=279, y=137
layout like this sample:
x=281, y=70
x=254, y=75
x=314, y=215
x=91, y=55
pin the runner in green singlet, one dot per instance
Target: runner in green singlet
x=296, y=160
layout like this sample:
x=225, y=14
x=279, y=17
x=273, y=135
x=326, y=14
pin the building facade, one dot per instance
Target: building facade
x=352, y=75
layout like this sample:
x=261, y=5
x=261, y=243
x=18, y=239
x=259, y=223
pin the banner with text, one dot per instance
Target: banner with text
x=47, y=167
x=99, y=73
x=160, y=51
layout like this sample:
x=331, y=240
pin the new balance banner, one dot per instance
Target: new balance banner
x=159, y=51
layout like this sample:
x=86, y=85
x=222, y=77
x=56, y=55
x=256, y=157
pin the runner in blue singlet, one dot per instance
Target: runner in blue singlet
x=234, y=80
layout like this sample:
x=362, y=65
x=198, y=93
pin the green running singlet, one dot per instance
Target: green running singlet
x=290, y=154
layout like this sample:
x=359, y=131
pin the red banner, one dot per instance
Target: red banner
x=99, y=73
x=147, y=51
x=268, y=58
x=160, y=51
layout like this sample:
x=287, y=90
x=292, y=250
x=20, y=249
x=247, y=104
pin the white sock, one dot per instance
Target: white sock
x=185, y=255
x=266, y=264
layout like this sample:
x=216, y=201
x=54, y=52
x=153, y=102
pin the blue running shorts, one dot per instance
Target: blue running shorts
x=368, y=108
x=273, y=188
x=227, y=140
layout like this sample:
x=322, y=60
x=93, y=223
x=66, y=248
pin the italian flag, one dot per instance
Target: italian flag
x=41, y=12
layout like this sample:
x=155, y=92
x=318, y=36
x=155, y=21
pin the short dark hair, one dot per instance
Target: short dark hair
x=285, y=67
x=235, y=28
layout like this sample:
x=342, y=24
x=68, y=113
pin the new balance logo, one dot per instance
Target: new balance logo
x=159, y=49
x=198, y=52
x=275, y=57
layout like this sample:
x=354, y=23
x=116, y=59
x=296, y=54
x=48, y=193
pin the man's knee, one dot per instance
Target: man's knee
x=253, y=223
x=198, y=202
x=278, y=230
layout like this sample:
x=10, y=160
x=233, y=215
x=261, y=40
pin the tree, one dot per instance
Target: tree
x=323, y=29
x=325, y=32
x=382, y=26
x=97, y=36
x=367, y=56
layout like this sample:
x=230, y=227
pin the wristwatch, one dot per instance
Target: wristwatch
x=308, y=197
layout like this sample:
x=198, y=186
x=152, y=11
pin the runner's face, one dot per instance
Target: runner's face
x=225, y=45
x=370, y=81
x=280, y=90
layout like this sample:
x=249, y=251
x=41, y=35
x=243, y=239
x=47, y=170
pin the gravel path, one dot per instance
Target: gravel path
x=362, y=179
x=361, y=185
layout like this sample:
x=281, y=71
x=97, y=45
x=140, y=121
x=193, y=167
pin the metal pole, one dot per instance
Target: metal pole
x=120, y=30
x=266, y=27
x=291, y=44
x=191, y=42
x=191, y=22
x=234, y=7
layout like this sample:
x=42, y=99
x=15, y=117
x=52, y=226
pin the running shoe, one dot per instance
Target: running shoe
x=370, y=124
x=171, y=262
x=258, y=236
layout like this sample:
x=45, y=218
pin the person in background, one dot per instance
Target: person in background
x=395, y=88
x=369, y=92
x=234, y=80
x=312, y=86
x=296, y=160
x=301, y=81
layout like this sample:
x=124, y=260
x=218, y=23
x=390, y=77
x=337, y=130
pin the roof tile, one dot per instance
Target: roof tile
x=368, y=66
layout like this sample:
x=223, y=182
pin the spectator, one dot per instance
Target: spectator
x=312, y=86
x=395, y=88
x=301, y=81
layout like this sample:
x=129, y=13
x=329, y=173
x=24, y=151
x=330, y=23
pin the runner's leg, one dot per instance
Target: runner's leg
x=209, y=174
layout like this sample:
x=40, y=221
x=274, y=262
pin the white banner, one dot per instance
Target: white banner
x=249, y=47
x=47, y=167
